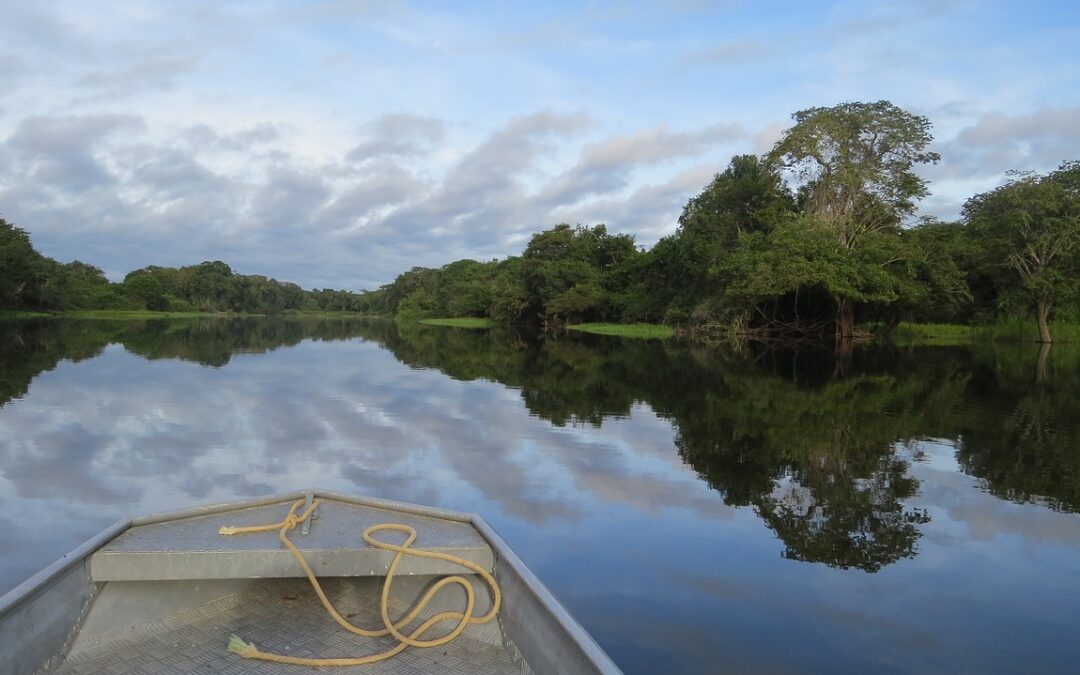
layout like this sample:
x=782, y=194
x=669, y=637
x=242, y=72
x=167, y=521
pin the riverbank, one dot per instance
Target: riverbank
x=628, y=330
x=1001, y=331
x=140, y=314
x=21, y=314
x=461, y=322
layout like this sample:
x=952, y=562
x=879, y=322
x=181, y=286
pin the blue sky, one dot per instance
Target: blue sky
x=339, y=143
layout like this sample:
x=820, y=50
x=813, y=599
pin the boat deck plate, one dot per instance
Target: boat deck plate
x=283, y=616
x=191, y=548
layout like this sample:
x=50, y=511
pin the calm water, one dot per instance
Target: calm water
x=698, y=511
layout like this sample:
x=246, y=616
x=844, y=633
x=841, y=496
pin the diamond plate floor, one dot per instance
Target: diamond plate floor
x=281, y=616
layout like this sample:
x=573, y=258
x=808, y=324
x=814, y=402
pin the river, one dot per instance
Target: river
x=698, y=510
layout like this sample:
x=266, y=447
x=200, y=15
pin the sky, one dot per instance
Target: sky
x=337, y=144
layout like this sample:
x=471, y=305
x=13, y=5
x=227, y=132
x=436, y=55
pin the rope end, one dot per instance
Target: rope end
x=227, y=530
x=238, y=646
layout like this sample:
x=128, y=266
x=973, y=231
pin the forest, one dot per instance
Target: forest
x=34, y=282
x=818, y=237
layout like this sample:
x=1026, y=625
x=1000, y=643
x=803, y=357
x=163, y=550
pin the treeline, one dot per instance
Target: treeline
x=812, y=238
x=32, y=281
x=808, y=239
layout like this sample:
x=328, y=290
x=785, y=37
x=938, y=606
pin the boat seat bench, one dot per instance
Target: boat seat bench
x=177, y=550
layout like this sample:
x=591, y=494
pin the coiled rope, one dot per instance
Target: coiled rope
x=413, y=639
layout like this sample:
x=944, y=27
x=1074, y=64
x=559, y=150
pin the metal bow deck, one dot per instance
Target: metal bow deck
x=162, y=594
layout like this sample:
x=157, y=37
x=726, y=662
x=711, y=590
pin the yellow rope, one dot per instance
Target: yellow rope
x=413, y=639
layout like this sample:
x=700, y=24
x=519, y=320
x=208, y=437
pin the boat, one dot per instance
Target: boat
x=235, y=588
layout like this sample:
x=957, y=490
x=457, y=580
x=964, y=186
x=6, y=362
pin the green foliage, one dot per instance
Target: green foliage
x=420, y=304
x=147, y=290
x=1031, y=227
x=31, y=281
x=800, y=242
x=854, y=164
x=751, y=257
x=464, y=322
x=24, y=273
x=628, y=330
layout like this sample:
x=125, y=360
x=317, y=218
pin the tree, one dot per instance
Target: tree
x=748, y=197
x=564, y=271
x=24, y=273
x=940, y=258
x=853, y=164
x=796, y=264
x=1031, y=225
x=146, y=289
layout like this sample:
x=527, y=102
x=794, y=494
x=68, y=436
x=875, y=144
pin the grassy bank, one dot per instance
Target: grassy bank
x=144, y=314
x=629, y=330
x=462, y=322
x=21, y=314
x=1012, y=330
x=301, y=314
x=936, y=333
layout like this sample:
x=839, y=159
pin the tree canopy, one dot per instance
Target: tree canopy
x=1031, y=226
x=31, y=281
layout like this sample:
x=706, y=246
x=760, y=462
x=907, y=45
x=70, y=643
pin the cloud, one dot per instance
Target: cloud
x=204, y=137
x=386, y=185
x=481, y=198
x=605, y=167
x=398, y=134
x=650, y=210
x=977, y=157
x=31, y=25
x=153, y=71
x=728, y=53
x=288, y=199
x=13, y=71
x=168, y=174
x=1038, y=140
x=246, y=197
x=61, y=151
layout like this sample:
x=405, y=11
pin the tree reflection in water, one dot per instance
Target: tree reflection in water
x=822, y=454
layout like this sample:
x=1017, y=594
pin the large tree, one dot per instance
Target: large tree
x=1031, y=226
x=24, y=273
x=854, y=167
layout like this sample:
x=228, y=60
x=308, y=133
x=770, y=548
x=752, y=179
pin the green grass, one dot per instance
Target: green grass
x=321, y=314
x=629, y=330
x=1026, y=330
x=936, y=333
x=1005, y=330
x=461, y=322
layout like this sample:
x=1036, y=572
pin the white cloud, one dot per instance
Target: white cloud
x=339, y=144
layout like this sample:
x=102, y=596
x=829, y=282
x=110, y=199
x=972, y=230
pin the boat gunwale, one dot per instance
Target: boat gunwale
x=596, y=655
x=575, y=631
x=27, y=589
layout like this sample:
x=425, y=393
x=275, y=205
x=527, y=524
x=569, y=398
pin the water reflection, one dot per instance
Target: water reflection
x=816, y=455
x=707, y=473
